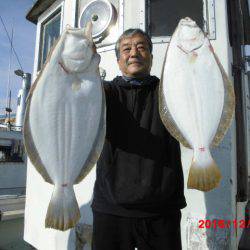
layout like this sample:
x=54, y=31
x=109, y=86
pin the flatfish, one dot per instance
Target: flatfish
x=196, y=100
x=65, y=122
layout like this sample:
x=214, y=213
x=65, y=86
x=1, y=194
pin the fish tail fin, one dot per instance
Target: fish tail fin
x=63, y=211
x=204, y=176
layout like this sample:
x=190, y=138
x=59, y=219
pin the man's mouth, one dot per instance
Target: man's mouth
x=135, y=62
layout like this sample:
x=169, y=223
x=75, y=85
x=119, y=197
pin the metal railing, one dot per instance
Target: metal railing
x=9, y=127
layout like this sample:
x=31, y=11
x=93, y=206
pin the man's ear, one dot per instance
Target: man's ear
x=119, y=65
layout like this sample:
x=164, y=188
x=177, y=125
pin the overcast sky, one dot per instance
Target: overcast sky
x=13, y=13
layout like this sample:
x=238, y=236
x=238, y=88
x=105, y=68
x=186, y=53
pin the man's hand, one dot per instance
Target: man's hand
x=94, y=48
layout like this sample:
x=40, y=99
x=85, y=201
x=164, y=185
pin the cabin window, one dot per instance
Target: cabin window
x=13, y=152
x=164, y=15
x=50, y=31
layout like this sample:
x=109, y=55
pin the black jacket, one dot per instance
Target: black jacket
x=139, y=171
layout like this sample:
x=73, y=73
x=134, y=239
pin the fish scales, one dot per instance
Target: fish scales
x=64, y=126
x=196, y=100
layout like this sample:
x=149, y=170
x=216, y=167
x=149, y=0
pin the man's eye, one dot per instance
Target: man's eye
x=126, y=49
x=141, y=48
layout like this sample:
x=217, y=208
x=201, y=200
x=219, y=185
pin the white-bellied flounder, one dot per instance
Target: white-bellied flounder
x=196, y=100
x=64, y=126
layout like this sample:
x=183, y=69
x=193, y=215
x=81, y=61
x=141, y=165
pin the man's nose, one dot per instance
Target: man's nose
x=133, y=51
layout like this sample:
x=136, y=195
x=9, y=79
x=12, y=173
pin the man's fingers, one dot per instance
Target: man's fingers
x=94, y=48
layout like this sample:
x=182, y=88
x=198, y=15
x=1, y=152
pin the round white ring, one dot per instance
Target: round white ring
x=109, y=20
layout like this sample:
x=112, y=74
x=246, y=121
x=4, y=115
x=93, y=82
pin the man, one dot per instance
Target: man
x=139, y=187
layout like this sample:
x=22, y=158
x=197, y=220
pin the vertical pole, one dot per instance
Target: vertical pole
x=236, y=39
x=22, y=96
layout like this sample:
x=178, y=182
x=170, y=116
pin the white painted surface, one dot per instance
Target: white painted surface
x=12, y=175
x=132, y=14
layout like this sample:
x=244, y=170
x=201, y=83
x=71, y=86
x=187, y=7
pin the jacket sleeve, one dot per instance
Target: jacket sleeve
x=108, y=97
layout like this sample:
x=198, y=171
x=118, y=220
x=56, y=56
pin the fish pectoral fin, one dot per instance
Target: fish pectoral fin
x=204, y=178
x=228, y=107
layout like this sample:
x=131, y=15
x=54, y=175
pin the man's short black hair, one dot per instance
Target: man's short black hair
x=129, y=33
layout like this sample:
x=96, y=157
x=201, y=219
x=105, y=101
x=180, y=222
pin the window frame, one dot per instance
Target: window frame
x=45, y=15
x=209, y=21
x=57, y=12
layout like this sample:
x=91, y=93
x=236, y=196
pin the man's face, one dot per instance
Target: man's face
x=135, y=57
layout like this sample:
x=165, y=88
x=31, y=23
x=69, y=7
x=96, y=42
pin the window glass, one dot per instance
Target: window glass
x=164, y=15
x=14, y=152
x=50, y=31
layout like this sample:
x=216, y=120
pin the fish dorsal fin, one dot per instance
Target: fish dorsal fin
x=228, y=108
x=31, y=148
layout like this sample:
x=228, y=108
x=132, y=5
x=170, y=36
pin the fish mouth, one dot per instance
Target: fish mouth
x=75, y=31
x=190, y=33
x=188, y=22
x=75, y=58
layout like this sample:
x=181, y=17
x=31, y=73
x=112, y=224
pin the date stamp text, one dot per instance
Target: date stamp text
x=224, y=223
